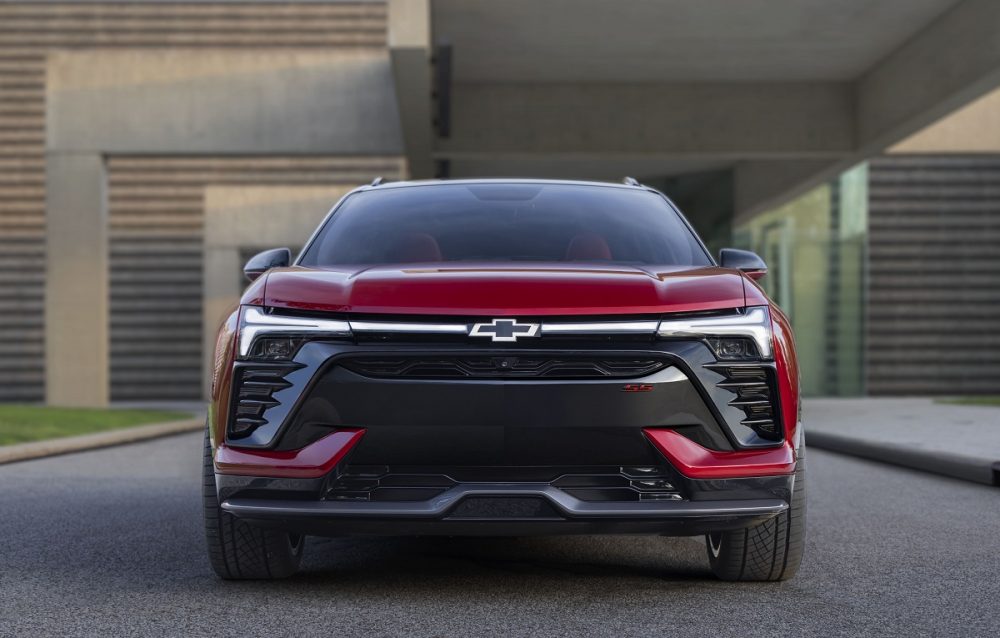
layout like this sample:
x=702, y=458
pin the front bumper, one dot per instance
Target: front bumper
x=313, y=498
x=491, y=456
x=498, y=508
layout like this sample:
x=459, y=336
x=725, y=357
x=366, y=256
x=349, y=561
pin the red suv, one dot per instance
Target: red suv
x=505, y=357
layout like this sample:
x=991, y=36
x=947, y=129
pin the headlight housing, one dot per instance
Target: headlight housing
x=274, y=337
x=742, y=336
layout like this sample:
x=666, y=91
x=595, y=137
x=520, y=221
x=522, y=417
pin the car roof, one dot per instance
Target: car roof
x=497, y=180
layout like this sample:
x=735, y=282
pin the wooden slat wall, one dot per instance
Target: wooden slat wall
x=32, y=28
x=28, y=31
x=934, y=299
x=156, y=213
x=22, y=223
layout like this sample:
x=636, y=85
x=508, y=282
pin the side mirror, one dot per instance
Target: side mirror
x=744, y=260
x=262, y=262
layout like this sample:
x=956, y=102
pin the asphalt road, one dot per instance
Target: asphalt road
x=109, y=543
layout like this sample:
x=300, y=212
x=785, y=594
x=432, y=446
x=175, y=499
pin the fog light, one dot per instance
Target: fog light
x=652, y=484
x=640, y=471
x=659, y=496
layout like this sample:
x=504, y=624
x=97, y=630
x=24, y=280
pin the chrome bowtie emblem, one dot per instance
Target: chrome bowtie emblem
x=504, y=330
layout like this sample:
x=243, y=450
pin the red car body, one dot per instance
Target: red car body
x=404, y=334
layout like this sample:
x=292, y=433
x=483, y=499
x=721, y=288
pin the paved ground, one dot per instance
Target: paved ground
x=920, y=424
x=109, y=543
x=961, y=441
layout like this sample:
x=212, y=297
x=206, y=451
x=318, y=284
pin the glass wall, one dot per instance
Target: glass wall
x=815, y=248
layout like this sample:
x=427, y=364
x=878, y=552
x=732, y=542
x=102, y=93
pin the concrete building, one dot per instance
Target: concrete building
x=126, y=129
x=147, y=147
x=890, y=271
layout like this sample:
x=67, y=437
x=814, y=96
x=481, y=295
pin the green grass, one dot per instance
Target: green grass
x=23, y=423
x=979, y=400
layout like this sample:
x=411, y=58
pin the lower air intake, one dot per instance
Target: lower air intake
x=591, y=484
x=256, y=387
x=752, y=386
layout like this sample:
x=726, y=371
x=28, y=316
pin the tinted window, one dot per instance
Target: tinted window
x=505, y=222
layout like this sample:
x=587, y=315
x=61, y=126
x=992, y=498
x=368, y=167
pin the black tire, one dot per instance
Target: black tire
x=239, y=551
x=767, y=552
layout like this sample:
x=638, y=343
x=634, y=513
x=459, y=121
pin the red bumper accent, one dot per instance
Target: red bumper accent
x=313, y=461
x=697, y=462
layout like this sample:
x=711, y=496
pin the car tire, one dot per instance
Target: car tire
x=770, y=551
x=237, y=550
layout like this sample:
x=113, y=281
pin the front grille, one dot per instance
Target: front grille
x=504, y=366
x=600, y=483
x=752, y=386
x=256, y=387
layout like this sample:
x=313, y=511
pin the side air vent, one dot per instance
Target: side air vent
x=255, y=391
x=752, y=386
x=517, y=367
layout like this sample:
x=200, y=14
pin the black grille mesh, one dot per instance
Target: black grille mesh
x=516, y=367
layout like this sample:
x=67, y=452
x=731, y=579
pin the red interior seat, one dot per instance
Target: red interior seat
x=416, y=247
x=588, y=247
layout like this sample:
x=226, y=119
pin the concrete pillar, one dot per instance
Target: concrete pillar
x=76, y=289
x=410, y=52
x=239, y=218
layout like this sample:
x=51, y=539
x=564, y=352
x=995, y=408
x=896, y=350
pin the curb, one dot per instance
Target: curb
x=69, y=444
x=968, y=468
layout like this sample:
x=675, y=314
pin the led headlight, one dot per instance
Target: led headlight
x=745, y=335
x=733, y=348
x=275, y=348
x=277, y=337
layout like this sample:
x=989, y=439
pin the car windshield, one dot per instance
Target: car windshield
x=505, y=222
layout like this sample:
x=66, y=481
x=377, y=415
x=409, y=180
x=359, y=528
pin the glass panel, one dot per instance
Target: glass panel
x=815, y=248
x=505, y=222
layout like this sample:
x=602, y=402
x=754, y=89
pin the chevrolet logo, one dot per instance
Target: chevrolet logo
x=504, y=330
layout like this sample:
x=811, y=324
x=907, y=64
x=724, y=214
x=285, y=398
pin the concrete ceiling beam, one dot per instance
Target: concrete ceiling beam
x=706, y=120
x=950, y=63
x=780, y=137
x=761, y=185
x=953, y=61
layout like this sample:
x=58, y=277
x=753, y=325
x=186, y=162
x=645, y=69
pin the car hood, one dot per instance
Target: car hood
x=504, y=290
